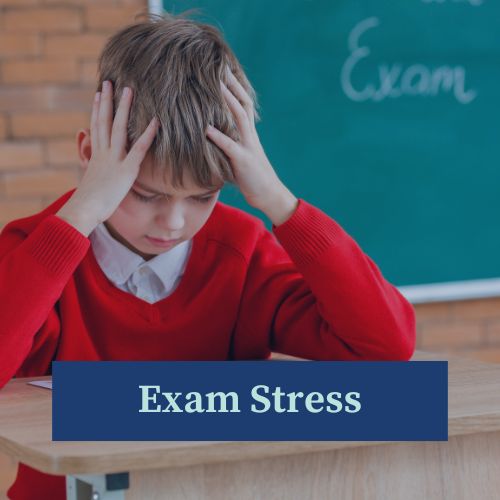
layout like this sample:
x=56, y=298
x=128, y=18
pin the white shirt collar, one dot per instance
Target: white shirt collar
x=119, y=263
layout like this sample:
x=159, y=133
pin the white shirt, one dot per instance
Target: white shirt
x=151, y=280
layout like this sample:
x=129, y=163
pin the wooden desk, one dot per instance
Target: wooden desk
x=465, y=467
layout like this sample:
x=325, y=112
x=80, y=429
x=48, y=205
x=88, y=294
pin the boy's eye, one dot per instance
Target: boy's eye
x=141, y=197
x=148, y=199
x=203, y=200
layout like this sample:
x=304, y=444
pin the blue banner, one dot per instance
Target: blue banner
x=250, y=401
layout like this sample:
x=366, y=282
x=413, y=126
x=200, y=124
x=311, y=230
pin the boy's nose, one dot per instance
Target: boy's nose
x=170, y=221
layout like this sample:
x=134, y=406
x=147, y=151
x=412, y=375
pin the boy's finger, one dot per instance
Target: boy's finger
x=94, y=128
x=105, y=114
x=222, y=141
x=120, y=123
x=142, y=145
x=238, y=90
x=239, y=113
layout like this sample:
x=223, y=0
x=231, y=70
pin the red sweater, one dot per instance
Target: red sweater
x=307, y=290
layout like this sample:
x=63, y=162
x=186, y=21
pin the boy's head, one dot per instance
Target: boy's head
x=174, y=66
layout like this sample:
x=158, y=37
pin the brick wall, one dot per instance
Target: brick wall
x=468, y=328
x=48, y=52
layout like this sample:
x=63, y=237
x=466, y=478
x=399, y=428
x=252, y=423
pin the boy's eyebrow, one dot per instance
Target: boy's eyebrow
x=151, y=190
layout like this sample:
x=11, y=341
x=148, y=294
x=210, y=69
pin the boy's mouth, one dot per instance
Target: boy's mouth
x=162, y=243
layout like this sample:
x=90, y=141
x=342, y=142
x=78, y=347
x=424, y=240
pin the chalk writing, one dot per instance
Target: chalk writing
x=396, y=80
x=474, y=3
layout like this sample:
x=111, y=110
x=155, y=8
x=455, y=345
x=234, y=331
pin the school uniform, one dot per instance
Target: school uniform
x=236, y=291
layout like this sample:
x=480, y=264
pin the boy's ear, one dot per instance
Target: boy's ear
x=84, y=146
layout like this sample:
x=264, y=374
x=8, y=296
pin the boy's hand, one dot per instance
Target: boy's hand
x=253, y=172
x=111, y=171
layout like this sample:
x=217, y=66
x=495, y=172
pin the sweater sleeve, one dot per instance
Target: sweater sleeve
x=318, y=296
x=34, y=270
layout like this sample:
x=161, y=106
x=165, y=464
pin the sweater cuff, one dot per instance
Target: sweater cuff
x=57, y=245
x=308, y=233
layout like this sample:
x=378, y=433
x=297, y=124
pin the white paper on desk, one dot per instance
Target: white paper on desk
x=46, y=384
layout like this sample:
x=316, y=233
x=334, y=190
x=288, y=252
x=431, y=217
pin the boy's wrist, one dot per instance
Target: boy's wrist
x=85, y=224
x=281, y=205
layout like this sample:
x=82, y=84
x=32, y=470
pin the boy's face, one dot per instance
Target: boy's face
x=154, y=217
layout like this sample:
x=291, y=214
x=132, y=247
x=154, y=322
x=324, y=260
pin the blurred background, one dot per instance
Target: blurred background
x=383, y=114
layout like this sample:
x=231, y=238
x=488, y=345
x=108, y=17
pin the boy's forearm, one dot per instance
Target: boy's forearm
x=33, y=273
x=363, y=316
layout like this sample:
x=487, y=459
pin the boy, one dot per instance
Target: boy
x=141, y=262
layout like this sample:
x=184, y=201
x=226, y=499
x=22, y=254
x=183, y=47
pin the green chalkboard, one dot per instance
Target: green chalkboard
x=385, y=115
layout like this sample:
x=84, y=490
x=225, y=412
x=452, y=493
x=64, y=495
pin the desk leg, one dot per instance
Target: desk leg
x=97, y=486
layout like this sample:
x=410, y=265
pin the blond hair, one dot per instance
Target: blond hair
x=173, y=65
